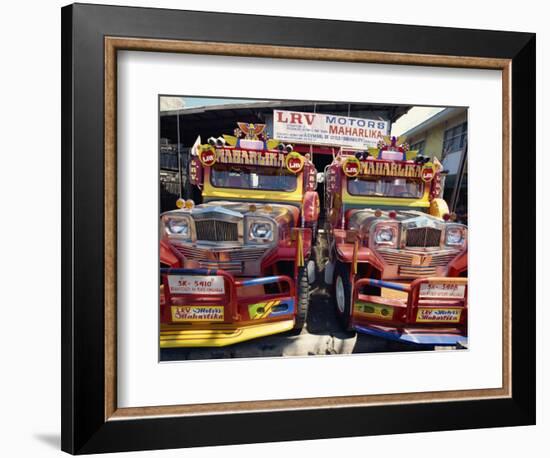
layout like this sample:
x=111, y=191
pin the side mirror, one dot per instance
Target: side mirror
x=320, y=177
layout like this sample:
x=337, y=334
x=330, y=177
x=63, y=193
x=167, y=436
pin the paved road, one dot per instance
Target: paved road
x=322, y=335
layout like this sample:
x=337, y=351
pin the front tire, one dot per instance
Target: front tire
x=302, y=300
x=342, y=294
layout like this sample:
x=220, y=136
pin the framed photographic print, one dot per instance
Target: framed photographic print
x=283, y=228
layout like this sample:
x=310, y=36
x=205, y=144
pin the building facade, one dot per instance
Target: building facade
x=445, y=136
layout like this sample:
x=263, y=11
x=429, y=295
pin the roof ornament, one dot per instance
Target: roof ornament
x=393, y=148
x=249, y=136
x=250, y=131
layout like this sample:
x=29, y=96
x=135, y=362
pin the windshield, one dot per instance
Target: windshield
x=266, y=178
x=386, y=187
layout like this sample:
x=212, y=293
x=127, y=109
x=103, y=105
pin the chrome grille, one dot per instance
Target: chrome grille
x=216, y=230
x=417, y=271
x=250, y=254
x=233, y=259
x=235, y=254
x=423, y=237
x=405, y=258
x=191, y=252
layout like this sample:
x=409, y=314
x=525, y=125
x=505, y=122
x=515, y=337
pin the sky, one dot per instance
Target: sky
x=415, y=116
x=181, y=103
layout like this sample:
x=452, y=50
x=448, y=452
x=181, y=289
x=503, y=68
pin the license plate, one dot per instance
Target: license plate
x=443, y=290
x=197, y=313
x=193, y=284
x=433, y=315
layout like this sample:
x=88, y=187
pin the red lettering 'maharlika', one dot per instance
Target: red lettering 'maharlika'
x=355, y=132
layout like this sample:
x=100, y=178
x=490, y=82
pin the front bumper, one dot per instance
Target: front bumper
x=239, y=311
x=416, y=336
x=430, y=311
x=173, y=336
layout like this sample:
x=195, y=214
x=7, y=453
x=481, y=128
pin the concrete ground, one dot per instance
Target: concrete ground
x=322, y=334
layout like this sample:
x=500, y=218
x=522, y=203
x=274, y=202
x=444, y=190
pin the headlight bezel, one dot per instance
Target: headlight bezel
x=464, y=235
x=249, y=237
x=167, y=230
x=385, y=227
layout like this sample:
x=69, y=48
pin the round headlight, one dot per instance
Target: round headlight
x=384, y=235
x=455, y=236
x=178, y=226
x=261, y=231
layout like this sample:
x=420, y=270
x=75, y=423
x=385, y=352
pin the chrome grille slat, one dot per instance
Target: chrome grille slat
x=233, y=267
x=404, y=260
x=213, y=230
x=411, y=271
x=210, y=258
x=247, y=255
x=423, y=237
x=192, y=253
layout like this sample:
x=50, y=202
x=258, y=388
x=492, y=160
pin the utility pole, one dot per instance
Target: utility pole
x=180, y=172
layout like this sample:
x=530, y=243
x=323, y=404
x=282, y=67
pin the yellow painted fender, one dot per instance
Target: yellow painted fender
x=230, y=140
x=438, y=208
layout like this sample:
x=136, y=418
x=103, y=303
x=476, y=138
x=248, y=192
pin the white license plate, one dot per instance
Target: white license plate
x=443, y=290
x=192, y=284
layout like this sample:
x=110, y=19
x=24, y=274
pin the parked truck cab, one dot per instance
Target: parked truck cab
x=234, y=267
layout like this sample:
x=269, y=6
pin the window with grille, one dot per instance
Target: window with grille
x=419, y=146
x=454, y=138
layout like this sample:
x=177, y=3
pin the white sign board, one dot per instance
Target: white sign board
x=327, y=129
x=190, y=284
x=447, y=290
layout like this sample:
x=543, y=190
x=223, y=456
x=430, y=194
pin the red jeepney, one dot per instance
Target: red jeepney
x=235, y=267
x=397, y=257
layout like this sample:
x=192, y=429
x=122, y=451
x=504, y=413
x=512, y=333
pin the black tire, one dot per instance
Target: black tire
x=302, y=300
x=314, y=229
x=342, y=271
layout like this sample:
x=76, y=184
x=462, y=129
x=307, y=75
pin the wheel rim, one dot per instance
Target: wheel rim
x=340, y=295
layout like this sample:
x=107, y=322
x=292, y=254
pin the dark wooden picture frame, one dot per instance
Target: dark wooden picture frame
x=91, y=37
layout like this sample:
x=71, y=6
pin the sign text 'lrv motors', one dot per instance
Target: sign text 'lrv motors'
x=327, y=129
